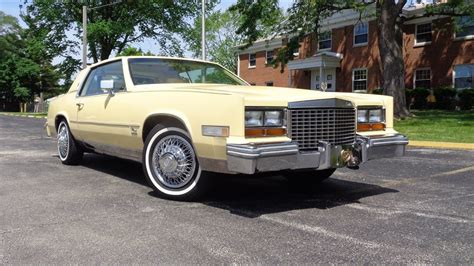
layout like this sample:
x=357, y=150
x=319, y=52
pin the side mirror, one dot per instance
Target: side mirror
x=107, y=85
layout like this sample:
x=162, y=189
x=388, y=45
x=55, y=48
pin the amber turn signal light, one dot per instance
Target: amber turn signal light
x=264, y=132
x=370, y=127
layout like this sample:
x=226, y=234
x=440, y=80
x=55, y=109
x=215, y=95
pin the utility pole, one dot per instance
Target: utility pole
x=84, y=37
x=84, y=29
x=203, y=29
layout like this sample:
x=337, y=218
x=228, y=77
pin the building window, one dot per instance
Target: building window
x=269, y=83
x=464, y=76
x=269, y=57
x=252, y=84
x=423, y=78
x=324, y=40
x=252, y=60
x=423, y=33
x=359, y=80
x=466, y=27
x=361, y=33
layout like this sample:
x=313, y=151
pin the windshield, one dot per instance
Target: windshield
x=158, y=70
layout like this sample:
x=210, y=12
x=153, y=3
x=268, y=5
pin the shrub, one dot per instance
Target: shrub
x=445, y=98
x=419, y=97
x=377, y=91
x=466, y=99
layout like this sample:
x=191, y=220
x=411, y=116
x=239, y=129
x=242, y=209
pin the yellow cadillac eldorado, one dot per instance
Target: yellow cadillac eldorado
x=186, y=119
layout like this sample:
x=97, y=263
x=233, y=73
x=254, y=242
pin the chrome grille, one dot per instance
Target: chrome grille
x=334, y=125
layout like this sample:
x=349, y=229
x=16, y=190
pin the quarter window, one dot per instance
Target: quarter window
x=112, y=71
x=252, y=60
x=359, y=80
x=423, y=33
x=466, y=25
x=361, y=33
x=324, y=40
x=423, y=78
x=464, y=76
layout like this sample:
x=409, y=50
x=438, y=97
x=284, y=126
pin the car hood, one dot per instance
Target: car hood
x=274, y=96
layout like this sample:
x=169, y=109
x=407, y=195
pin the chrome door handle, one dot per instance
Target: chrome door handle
x=79, y=105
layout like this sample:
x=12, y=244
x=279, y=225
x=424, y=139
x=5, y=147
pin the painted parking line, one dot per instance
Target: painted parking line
x=462, y=170
x=397, y=210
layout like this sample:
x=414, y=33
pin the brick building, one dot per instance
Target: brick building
x=344, y=56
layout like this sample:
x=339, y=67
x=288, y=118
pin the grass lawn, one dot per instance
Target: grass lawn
x=437, y=125
x=25, y=114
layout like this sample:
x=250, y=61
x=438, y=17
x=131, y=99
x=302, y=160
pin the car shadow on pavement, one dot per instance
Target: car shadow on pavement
x=253, y=196
x=124, y=169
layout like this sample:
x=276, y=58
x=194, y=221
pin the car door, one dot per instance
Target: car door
x=102, y=116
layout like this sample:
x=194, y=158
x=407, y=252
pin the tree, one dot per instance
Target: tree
x=112, y=28
x=131, y=51
x=221, y=37
x=25, y=65
x=304, y=17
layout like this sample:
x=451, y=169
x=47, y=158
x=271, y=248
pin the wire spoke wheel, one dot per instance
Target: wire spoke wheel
x=173, y=161
x=63, y=142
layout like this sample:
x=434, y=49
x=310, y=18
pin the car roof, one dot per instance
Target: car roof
x=142, y=56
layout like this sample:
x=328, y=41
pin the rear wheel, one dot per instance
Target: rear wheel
x=68, y=150
x=171, y=166
x=309, y=176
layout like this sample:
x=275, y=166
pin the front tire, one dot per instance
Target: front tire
x=171, y=166
x=68, y=150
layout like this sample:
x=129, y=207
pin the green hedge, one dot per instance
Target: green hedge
x=446, y=98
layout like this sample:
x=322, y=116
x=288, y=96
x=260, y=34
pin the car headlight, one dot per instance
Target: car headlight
x=264, y=118
x=362, y=116
x=262, y=123
x=375, y=116
x=370, y=118
x=253, y=118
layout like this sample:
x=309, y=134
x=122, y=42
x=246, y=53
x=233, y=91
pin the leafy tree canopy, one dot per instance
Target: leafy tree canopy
x=113, y=25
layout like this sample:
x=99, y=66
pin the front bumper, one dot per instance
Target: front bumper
x=251, y=158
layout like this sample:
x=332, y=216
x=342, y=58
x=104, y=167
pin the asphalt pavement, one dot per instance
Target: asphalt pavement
x=414, y=209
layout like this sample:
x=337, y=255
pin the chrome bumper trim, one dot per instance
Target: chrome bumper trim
x=251, y=158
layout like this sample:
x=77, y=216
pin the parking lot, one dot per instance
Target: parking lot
x=415, y=209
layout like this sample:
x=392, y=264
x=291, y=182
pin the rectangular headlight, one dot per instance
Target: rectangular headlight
x=362, y=116
x=253, y=118
x=375, y=116
x=273, y=119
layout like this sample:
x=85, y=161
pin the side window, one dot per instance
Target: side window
x=112, y=71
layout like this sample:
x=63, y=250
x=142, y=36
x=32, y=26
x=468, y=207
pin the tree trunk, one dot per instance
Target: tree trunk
x=391, y=54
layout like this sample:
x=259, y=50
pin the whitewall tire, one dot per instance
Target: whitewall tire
x=171, y=165
x=68, y=151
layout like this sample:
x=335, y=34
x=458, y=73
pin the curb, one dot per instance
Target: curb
x=29, y=116
x=441, y=145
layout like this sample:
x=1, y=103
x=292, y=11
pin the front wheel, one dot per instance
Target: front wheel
x=171, y=166
x=68, y=150
x=309, y=176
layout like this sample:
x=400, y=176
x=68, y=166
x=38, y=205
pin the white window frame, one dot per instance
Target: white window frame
x=330, y=39
x=366, y=79
x=266, y=56
x=415, y=79
x=467, y=37
x=354, y=44
x=254, y=66
x=454, y=73
x=416, y=34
